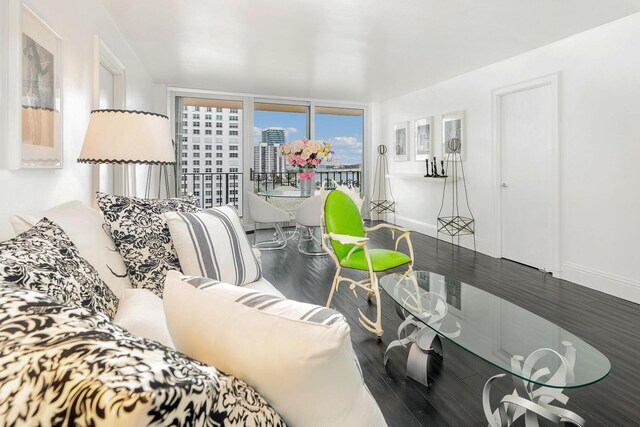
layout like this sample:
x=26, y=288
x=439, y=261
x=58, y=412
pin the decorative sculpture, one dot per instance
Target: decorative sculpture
x=455, y=225
x=531, y=400
x=380, y=203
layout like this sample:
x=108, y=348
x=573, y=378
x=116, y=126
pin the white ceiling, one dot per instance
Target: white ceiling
x=357, y=50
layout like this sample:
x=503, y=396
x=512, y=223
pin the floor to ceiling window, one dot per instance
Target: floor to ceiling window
x=343, y=128
x=273, y=125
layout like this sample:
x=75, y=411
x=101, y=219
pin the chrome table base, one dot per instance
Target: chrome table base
x=531, y=400
x=425, y=343
x=528, y=400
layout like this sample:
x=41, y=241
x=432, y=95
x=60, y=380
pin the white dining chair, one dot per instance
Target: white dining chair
x=263, y=212
x=308, y=220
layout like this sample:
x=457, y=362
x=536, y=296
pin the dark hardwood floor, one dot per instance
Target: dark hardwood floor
x=610, y=324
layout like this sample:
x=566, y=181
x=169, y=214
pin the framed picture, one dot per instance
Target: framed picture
x=401, y=141
x=453, y=138
x=423, y=135
x=40, y=53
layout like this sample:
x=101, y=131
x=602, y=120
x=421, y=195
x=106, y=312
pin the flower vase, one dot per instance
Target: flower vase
x=306, y=182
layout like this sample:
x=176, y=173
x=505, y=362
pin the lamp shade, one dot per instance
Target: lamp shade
x=127, y=136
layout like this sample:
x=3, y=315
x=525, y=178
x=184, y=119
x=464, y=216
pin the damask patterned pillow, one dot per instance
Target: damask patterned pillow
x=141, y=235
x=64, y=365
x=45, y=259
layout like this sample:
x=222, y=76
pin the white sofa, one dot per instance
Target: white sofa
x=142, y=313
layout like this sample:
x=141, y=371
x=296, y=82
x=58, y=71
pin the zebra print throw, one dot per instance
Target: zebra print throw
x=213, y=244
x=66, y=366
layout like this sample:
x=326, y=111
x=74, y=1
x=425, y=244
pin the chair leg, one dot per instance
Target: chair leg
x=279, y=241
x=373, y=326
x=334, y=285
x=310, y=238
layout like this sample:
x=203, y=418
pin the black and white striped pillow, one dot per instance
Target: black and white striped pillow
x=213, y=244
x=292, y=353
x=268, y=303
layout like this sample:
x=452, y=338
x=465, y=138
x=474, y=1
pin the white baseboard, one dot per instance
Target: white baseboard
x=482, y=246
x=608, y=283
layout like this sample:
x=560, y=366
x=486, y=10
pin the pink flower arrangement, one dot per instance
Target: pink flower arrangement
x=305, y=153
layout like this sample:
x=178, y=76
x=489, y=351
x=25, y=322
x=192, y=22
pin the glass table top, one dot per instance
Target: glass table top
x=503, y=334
x=289, y=194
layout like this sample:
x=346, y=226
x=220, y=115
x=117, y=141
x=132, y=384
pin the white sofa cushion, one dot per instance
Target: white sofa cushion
x=298, y=356
x=141, y=313
x=84, y=226
x=213, y=244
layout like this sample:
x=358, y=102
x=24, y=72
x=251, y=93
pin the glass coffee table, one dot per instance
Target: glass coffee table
x=542, y=358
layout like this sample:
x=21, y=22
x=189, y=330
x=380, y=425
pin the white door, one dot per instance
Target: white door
x=526, y=126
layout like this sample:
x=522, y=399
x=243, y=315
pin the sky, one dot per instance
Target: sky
x=344, y=133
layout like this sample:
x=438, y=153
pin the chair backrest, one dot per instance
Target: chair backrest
x=354, y=193
x=262, y=211
x=308, y=212
x=342, y=216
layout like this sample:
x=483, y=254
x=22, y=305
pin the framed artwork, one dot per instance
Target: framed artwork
x=453, y=138
x=423, y=135
x=401, y=142
x=40, y=53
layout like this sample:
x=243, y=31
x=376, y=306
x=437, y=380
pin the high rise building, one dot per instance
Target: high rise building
x=273, y=136
x=267, y=160
x=211, y=155
x=265, y=155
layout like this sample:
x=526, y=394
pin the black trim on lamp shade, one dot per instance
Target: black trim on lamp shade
x=123, y=162
x=127, y=137
x=111, y=110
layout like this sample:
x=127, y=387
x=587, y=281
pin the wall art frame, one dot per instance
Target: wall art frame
x=453, y=127
x=423, y=138
x=401, y=151
x=34, y=98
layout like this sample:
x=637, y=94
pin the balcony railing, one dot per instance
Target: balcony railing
x=213, y=189
x=270, y=180
x=222, y=188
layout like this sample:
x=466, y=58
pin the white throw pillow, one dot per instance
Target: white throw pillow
x=298, y=356
x=84, y=226
x=212, y=243
x=141, y=313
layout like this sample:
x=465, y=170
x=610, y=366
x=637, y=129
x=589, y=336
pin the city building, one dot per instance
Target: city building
x=273, y=136
x=266, y=159
x=211, y=155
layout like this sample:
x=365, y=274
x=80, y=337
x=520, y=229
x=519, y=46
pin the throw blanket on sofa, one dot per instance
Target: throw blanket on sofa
x=63, y=365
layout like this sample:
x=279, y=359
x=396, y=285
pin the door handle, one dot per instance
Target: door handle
x=504, y=184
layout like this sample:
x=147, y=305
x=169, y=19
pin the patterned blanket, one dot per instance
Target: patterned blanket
x=63, y=365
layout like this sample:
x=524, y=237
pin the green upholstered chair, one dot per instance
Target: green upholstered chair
x=346, y=235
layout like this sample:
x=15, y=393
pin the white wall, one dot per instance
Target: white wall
x=599, y=131
x=77, y=22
